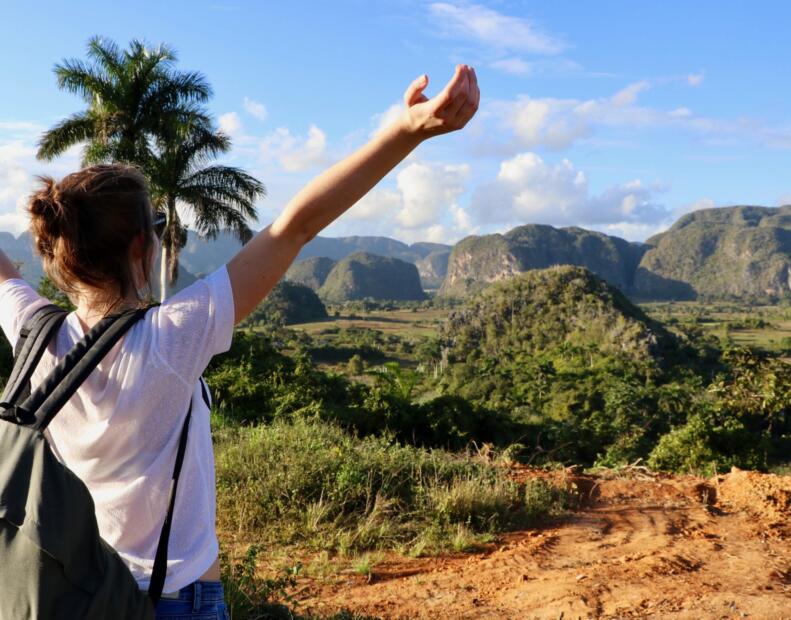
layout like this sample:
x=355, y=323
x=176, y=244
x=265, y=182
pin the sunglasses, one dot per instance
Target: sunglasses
x=160, y=220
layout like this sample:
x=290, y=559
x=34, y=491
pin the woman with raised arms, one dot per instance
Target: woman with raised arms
x=96, y=233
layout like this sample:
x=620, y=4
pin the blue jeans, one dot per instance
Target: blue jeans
x=201, y=600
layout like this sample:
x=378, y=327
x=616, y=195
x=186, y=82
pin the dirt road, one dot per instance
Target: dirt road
x=637, y=548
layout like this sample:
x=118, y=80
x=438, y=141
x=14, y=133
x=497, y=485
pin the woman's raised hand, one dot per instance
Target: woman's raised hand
x=449, y=110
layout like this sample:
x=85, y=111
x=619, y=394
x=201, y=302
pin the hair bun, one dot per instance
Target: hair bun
x=47, y=215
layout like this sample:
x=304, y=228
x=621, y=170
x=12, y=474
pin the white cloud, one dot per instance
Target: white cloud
x=488, y=27
x=255, y=109
x=512, y=65
x=628, y=95
x=428, y=189
x=695, y=79
x=296, y=153
x=529, y=190
x=423, y=206
x=19, y=168
x=553, y=123
x=230, y=124
x=383, y=119
x=784, y=199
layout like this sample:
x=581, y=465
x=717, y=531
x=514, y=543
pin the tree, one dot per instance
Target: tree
x=219, y=196
x=142, y=111
x=48, y=290
x=132, y=95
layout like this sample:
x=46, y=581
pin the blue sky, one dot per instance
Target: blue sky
x=613, y=115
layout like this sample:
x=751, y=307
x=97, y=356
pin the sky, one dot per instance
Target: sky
x=613, y=115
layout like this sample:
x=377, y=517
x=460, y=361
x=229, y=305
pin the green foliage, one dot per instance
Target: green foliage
x=48, y=290
x=255, y=382
x=288, y=303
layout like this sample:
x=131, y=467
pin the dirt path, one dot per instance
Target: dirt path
x=665, y=548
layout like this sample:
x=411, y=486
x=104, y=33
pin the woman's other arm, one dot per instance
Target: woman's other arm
x=262, y=262
x=7, y=269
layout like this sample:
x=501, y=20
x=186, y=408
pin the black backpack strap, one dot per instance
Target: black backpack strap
x=38, y=410
x=161, y=559
x=33, y=339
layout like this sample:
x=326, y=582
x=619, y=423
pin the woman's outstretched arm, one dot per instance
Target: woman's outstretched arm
x=7, y=269
x=262, y=262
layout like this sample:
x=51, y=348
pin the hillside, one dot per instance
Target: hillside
x=310, y=272
x=547, y=309
x=362, y=275
x=732, y=252
x=288, y=303
x=477, y=261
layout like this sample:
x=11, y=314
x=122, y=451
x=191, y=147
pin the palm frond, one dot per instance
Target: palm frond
x=106, y=53
x=77, y=128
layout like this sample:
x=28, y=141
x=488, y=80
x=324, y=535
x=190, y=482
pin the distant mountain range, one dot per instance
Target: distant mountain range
x=720, y=253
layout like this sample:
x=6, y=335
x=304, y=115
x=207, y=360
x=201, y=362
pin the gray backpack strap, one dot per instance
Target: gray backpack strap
x=157, y=581
x=33, y=339
x=38, y=410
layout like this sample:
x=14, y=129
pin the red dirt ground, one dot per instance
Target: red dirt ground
x=641, y=546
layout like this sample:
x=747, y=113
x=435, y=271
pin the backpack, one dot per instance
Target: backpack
x=53, y=563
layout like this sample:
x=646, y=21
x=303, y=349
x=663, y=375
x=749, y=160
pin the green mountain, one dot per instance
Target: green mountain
x=288, y=303
x=732, y=252
x=563, y=327
x=362, y=275
x=477, y=261
x=311, y=272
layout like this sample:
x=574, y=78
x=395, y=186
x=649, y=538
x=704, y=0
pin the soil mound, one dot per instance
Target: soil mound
x=766, y=497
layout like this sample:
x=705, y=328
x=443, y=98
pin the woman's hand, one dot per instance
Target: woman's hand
x=450, y=110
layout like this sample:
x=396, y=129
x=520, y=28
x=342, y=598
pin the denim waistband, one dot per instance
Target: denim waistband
x=198, y=593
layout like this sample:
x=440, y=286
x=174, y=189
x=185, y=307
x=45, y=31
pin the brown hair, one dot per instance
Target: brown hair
x=83, y=227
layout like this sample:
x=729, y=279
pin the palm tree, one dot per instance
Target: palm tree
x=220, y=197
x=142, y=111
x=133, y=96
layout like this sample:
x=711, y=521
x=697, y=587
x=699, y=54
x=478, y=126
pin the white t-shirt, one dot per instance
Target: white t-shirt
x=120, y=431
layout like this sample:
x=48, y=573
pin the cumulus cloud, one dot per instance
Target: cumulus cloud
x=230, y=123
x=486, y=26
x=255, y=109
x=529, y=190
x=426, y=190
x=695, y=79
x=296, y=153
x=553, y=123
x=18, y=169
x=383, y=119
x=423, y=206
x=513, y=65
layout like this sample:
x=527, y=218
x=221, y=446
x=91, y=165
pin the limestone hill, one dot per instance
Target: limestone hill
x=552, y=310
x=733, y=252
x=311, y=272
x=362, y=275
x=477, y=261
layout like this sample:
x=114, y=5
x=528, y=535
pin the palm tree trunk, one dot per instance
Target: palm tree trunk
x=163, y=272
